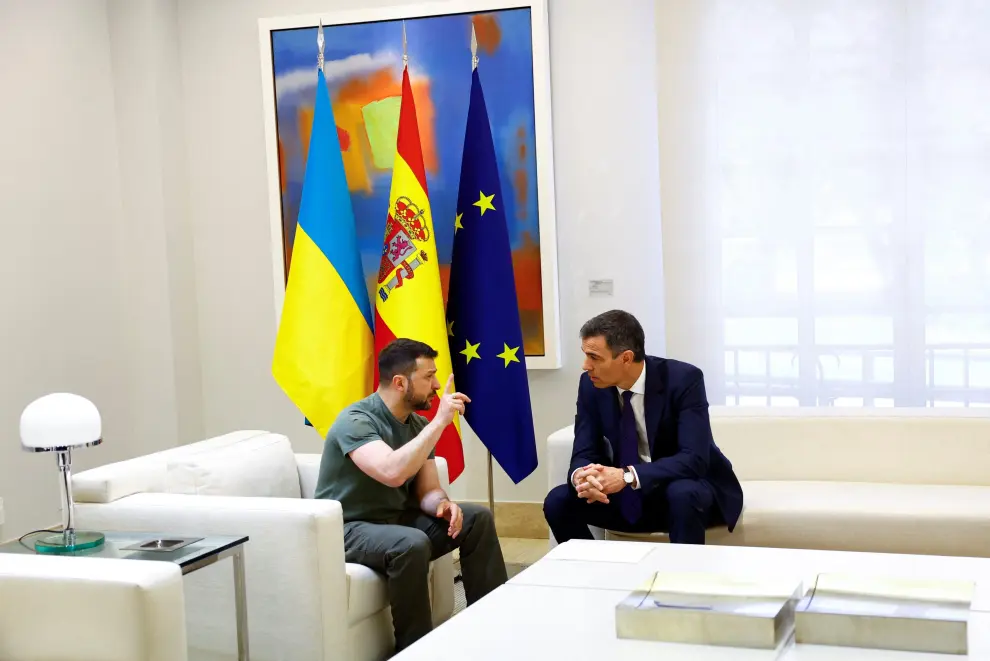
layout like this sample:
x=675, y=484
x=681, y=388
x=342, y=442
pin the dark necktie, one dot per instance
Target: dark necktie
x=631, y=505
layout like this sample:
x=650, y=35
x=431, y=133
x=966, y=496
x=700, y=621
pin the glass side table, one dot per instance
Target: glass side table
x=189, y=552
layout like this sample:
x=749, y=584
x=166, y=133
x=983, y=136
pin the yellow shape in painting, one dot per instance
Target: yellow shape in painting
x=485, y=202
x=457, y=223
x=450, y=328
x=509, y=355
x=470, y=351
x=381, y=122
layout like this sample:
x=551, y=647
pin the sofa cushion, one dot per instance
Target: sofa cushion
x=859, y=516
x=145, y=474
x=262, y=466
x=855, y=516
x=895, y=446
x=367, y=591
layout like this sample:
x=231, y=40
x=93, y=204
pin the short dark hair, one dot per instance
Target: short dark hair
x=621, y=330
x=399, y=357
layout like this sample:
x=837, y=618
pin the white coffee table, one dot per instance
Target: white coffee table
x=563, y=606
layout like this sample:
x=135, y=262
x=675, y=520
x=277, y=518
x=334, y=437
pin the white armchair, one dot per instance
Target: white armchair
x=90, y=609
x=304, y=602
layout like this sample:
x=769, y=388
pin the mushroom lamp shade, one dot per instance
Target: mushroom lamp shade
x=59, y=423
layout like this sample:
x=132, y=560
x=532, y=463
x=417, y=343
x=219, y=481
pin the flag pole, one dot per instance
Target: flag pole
x=491, y=487
x=491, y=476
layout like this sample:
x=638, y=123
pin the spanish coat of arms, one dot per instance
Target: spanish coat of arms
x=406, y=225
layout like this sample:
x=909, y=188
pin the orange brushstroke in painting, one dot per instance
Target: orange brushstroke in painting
x=305, y=122
x=520, y=178
x=488, y=31
x=529, y=290
x=520, y=183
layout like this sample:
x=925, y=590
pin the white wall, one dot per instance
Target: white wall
x=85, y=293
x=603, y=58
x=685, y=149
x=159, y=288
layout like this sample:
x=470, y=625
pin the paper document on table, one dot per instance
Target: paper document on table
x=705, y=583
x=896, y=588
x=598, y=551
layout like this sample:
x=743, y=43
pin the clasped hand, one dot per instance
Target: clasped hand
x=595, y=483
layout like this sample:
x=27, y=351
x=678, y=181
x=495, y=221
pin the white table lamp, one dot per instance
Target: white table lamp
x=58, y=423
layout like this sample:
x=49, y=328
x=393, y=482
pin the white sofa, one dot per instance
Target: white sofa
x=304, y=602
x=90, y=609
x=891, y=480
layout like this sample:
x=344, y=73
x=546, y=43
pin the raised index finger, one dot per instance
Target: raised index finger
x=450, y=382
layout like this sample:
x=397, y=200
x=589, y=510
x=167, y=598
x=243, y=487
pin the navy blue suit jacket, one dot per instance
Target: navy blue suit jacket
x=677, y=426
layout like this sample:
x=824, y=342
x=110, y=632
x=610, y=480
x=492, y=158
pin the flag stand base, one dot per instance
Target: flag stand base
x=491, y=487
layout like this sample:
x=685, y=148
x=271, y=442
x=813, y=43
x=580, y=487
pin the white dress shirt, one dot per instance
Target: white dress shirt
x=638, y=402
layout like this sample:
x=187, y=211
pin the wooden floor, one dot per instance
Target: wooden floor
x=518, y=553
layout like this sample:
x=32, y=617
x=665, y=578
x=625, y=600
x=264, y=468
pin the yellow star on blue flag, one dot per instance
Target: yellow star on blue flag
x=469, y=351
x=483, y=308
x=485, y=202
x=509, y=355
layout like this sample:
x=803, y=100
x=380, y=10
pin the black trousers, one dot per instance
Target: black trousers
x=684, y=509
x=403, y=553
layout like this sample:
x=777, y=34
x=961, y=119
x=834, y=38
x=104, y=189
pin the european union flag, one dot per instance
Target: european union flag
x=485, y=336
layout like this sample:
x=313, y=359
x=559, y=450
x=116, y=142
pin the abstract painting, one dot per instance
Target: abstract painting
x=363, y=67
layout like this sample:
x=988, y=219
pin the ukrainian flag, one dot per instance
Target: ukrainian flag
x=324, y=351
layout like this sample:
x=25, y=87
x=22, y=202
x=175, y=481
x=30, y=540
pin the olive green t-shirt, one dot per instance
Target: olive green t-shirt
x=362, y=497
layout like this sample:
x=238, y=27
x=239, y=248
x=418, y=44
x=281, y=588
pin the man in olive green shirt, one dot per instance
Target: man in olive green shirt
x=378, y=463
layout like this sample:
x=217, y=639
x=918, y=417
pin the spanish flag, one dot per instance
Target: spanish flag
x=410, y=298
x=324, y=352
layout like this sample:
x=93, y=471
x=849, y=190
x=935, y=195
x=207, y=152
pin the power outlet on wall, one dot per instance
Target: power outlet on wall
x=600, y=287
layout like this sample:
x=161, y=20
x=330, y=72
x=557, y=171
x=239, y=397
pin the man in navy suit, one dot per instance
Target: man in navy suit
x=644, y=458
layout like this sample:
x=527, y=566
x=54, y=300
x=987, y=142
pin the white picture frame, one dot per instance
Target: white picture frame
x=543, y=138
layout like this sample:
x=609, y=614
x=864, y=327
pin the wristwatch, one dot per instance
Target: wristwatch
x=627, y=476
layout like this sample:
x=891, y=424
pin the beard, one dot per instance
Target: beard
x=419, y=403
